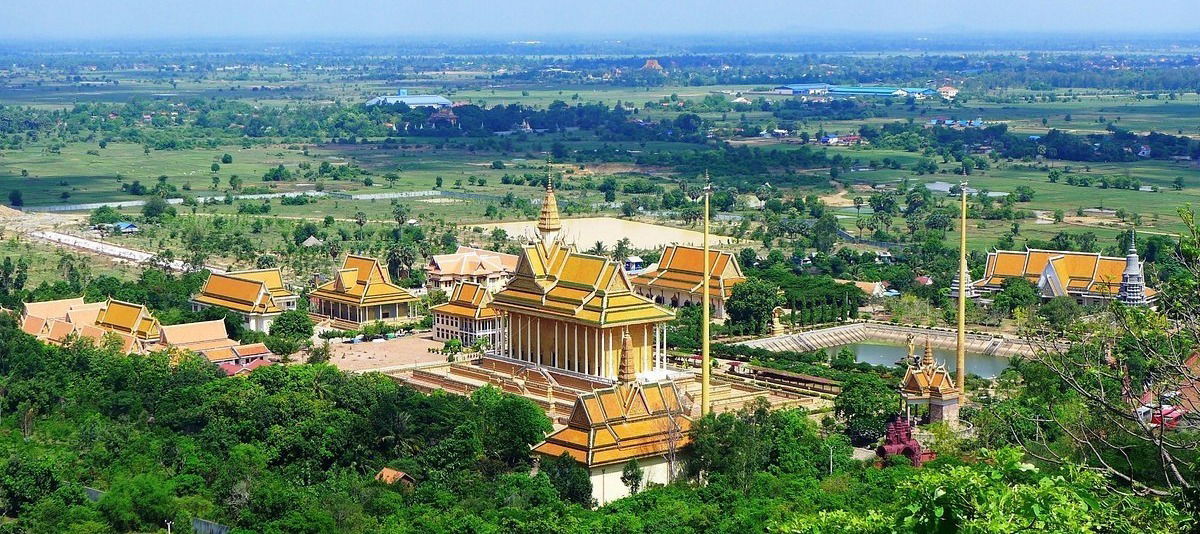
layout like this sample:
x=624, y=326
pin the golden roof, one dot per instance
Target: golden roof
x=624, y=422
x=245, y=292
x=553, y=280
x=468, y=300
x=364, y=282
x=1066, y=272
x=682, y=268
x=928, y=380
x=548, y=218
x=469, y=261
x=128, y=318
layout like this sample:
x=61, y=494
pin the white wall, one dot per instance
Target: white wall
x=606, y=480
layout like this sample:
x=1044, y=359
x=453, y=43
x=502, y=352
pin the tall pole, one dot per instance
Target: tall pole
x=960, y=371
x=705, y=362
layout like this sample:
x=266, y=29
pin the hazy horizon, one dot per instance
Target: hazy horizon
x=140, y=19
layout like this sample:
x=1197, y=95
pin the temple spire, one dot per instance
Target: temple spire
x=1133, y=283
x=625, y=373
x=927, y=360
x=548, y=223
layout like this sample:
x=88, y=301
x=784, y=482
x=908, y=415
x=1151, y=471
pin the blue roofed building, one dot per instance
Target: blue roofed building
x=413, y=101
x=802, y=89
x=866, y=90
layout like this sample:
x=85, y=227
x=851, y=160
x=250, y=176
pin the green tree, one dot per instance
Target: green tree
x=570, y=479
x=15, y=198
x=1016, y=292
x=865, y=404
x=157, y=208
x=632, y=475
x=1061, y=312
x=226, y=159
x=751, y=304
x=292, y=324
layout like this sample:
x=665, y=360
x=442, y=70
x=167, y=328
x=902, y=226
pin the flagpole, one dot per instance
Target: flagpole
x=705, y=361
x=961, y=360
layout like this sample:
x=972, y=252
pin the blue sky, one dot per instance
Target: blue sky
x=516, y=18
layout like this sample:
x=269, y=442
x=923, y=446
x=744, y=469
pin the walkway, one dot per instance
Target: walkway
x=112, y=251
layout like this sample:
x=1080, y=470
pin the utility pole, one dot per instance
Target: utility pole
x=705, y=361
x=960, y=371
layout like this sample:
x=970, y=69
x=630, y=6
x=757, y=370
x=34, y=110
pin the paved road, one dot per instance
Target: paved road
x=106, y=249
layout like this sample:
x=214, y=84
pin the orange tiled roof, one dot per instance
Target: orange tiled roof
x=929, y=380
x=469, y=300
x=621, y=423
x=52, y=309
x=388, y=475
x=469, y=261
x=199, y=336
x=554, y=280
x=224, y=354
x=682, y=268
x=362, y=281
x=1072, y=272
x=241, y=293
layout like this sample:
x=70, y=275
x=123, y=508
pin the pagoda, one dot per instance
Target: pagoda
x=1133, y=284
x=929, y=383
x=568, y=310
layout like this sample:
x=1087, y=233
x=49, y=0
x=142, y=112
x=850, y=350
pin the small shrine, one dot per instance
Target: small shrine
x=899, y=440
x=927, y=382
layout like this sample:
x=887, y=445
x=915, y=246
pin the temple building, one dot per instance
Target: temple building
x=927, y=382
x=468, y=316
x=1088, y=277
x=679, y=279
x=257, y=295
x=608, y=427
x=130, y=319
x=360, y=292
x=566, y=310
x=484, y=267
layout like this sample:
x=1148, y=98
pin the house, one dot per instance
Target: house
x=1088, y=277
x=56, y=322
x=467, y=316
x=360, y=292
x=609, y=427
x=948, y=92
x=126, y=227
x=679, y=279
x=652, y=65
x=311, y=241
x=391, y=476
x=872, y=289
x=634, y=264
x=239, y=370
x=258, y=295
x=802, y=89
x=468, y=264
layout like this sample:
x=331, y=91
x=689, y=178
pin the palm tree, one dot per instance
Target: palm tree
x=858, y=204
x=598, y=249
x=861, y=223
x=360, y=219
x=400, y=213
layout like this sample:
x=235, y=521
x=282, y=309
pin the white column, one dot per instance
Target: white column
x=556, y=345
x=576, y=367
x=539, y=341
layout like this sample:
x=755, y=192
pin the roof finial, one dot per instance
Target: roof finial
x=548, y=222
x=625, y=374
x=1132, y=241
x=927, y=360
